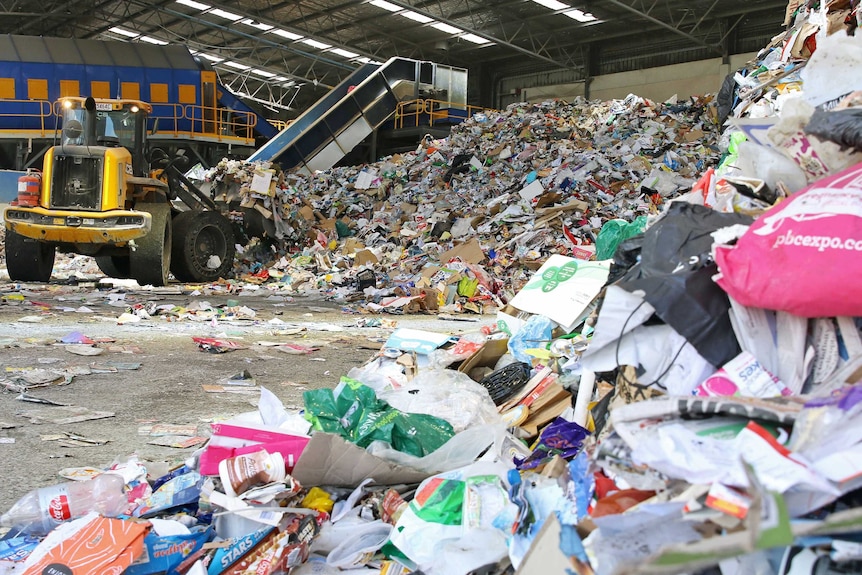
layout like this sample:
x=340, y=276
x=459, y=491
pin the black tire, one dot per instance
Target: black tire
x=197, y=237
x=28, y=260
x=150, y=260
x=115, y=266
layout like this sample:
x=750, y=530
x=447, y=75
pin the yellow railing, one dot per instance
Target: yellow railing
x=281, y=124
x=220, y=122
x=167, y=122
x=42, y=110
x=427, y=112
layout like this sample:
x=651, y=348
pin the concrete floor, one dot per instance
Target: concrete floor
x=167, y=388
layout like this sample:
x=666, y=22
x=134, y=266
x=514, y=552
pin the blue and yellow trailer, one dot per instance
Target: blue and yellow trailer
x=190, y=108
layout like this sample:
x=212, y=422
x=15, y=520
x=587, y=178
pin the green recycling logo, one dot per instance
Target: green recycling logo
x=552, y=277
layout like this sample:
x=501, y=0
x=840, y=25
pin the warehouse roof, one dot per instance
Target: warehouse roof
x=288, y=53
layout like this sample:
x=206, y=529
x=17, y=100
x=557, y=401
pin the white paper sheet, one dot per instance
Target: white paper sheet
x=562, y=289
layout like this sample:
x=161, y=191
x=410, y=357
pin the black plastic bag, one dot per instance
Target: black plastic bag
x=844, y=127
x=726, y=98
x=460, y=165
x=681, y=240
x=675, y=272
x=627, y=254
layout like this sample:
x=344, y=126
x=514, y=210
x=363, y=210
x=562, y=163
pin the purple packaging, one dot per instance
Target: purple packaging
x=561, y=437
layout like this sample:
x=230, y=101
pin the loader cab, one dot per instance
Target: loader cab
x=107, y=123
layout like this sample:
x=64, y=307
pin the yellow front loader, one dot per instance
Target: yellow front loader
x=101, y=194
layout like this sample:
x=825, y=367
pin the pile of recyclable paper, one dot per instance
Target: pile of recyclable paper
x=486, y=205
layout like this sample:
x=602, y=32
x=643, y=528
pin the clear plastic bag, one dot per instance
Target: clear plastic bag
x=380, y=374
x=535, y=333
x=461, y=450
x=445, y=393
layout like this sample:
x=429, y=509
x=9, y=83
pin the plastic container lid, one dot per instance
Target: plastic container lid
x=279, y=470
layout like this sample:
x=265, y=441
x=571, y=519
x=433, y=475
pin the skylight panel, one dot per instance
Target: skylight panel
x=475, y=39
x=152, y=40
x=124, y=32
x=263, y=73
x=211, y=57
x=224, y=14
x=416, y=16
x=236, y=65
x=385, y=5
x=552, y=4
x=285, y=34
x=315, y=44
x=258, y=25
x=344, y=53
x=580, y=15
x=195, y=5
x=443, y=27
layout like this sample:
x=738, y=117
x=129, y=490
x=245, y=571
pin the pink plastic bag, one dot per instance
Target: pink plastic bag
x=803, y=256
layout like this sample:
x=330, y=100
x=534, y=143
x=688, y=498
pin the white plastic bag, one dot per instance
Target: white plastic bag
x=431, y=531
x=461, y=450
x=448, y=394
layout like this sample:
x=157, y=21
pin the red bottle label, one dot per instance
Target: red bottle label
x=54, y=503
x=58, y=508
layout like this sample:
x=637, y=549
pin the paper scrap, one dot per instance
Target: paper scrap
x=177, y=441
x=64, y=414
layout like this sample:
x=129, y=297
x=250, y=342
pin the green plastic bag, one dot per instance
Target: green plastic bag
x=353, y=411
x=732, y=154
x=467, y=287
x=614, y=232
x=342, y=229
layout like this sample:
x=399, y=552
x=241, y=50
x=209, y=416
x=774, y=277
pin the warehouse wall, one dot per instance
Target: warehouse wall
x=684, y=80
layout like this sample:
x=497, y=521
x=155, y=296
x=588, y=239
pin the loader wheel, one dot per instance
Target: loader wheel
x=150, y=260
x=115, y=266
x=198, y=236
x=28, y=260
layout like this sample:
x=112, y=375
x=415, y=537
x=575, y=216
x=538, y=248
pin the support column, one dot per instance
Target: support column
x=373, y=149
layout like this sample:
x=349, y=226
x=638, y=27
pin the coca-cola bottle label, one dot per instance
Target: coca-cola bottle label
x=55, y=502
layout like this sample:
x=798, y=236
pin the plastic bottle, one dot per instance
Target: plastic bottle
x=242, y=472
x=39, y=511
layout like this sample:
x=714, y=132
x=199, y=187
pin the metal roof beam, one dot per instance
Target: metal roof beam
x=496, y=40
x=665, y=25
x=258, y=40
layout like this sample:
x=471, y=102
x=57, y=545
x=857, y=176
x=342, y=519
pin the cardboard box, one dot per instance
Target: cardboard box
x=562, y=289
x=486, y=356
x=352, y=245
x=331, y=460
x=415, y=340
x=544, y=555
x=553, y=404
x=469, y=252
x=364, y=257
x=100, y=545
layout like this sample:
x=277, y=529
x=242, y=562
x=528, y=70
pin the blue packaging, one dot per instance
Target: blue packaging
x=183, y=490
x=162, y=555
